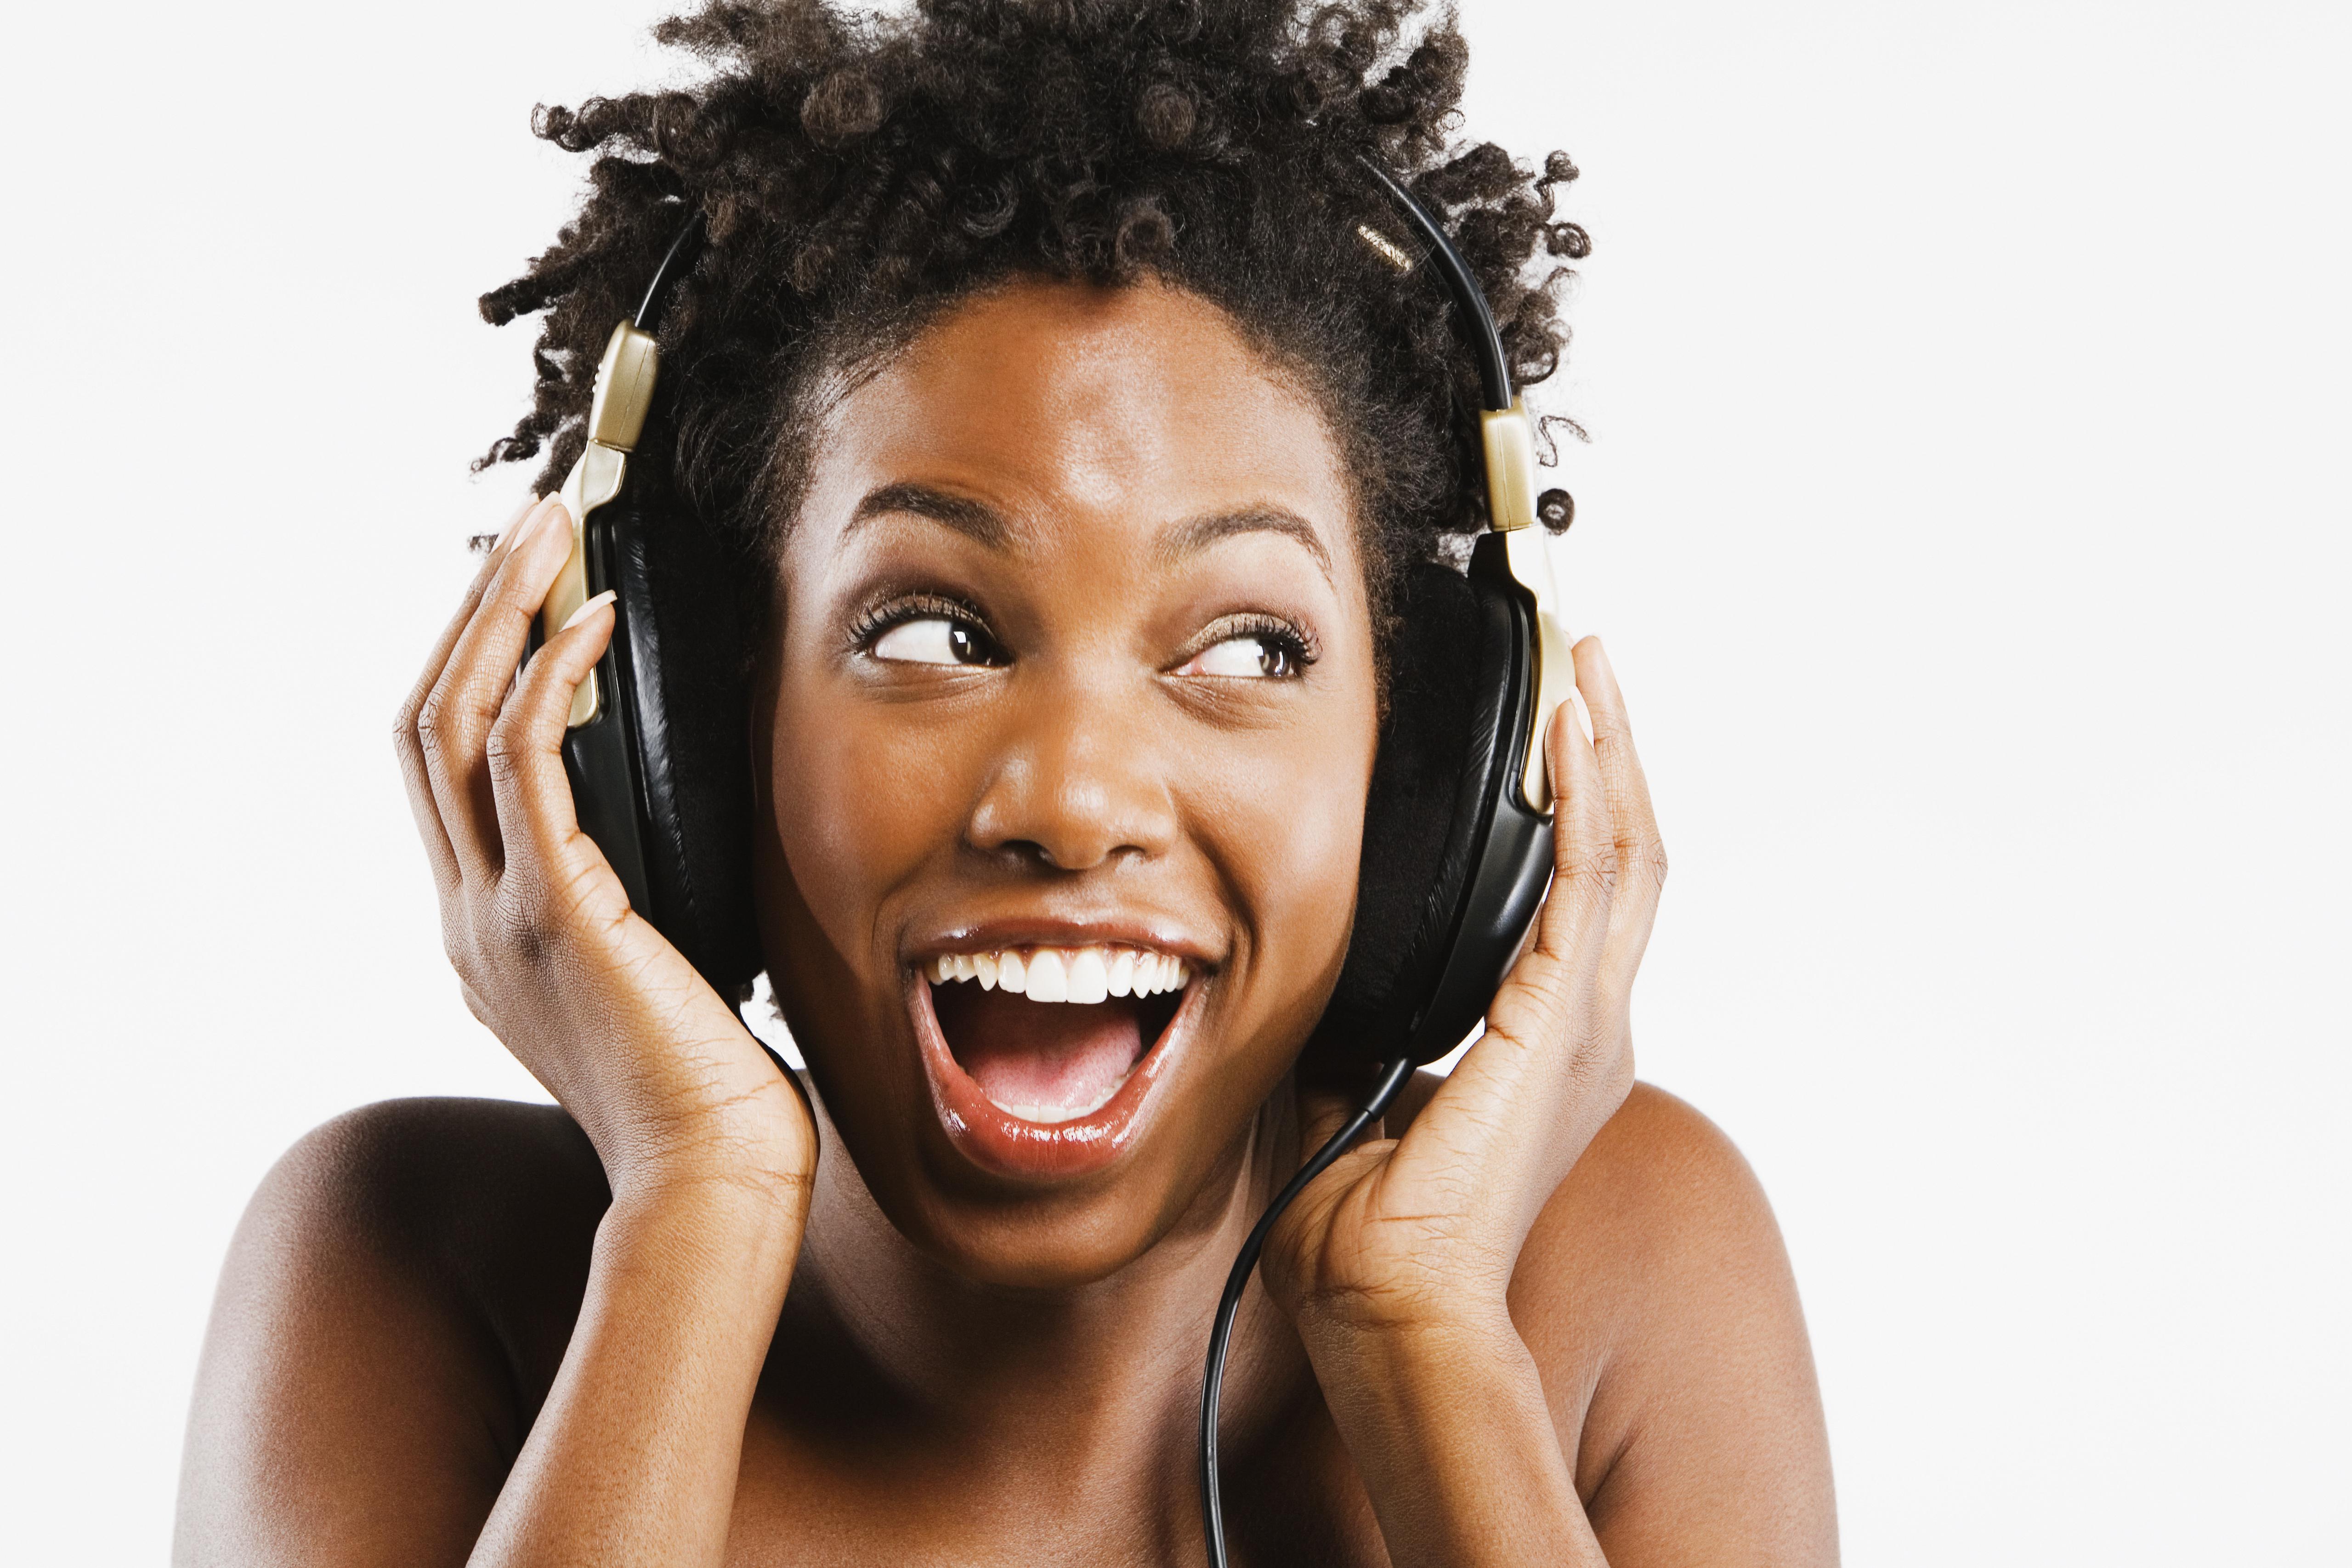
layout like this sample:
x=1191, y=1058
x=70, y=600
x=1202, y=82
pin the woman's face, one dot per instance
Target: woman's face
x=1074, y=683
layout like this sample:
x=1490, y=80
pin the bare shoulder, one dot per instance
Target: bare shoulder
x=489, y=1206
x=431, y=1175
x=1656, y=1294
x=402, y=1285
x=1661, y=1199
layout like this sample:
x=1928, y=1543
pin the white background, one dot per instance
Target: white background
x=1964, y=514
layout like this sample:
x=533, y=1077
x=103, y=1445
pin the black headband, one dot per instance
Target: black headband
x=1469, y=299
x=1478, y=319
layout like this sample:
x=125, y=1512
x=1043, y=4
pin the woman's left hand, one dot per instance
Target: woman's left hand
x=1422, y=1232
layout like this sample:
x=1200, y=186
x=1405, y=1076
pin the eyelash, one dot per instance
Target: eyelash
x=1290, y=640
x=875, y=620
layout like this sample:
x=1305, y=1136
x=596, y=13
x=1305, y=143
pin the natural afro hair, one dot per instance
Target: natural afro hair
x=857, y=174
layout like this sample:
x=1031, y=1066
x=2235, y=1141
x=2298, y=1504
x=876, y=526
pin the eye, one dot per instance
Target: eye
x=1270, y=653
x=934, y=640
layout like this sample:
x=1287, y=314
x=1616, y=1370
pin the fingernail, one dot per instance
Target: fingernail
x=584, y=610
x=539, y=525
x=1580, y=711
x=513, y=525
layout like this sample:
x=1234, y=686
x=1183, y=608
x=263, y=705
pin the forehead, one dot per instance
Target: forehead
x=1140, y=402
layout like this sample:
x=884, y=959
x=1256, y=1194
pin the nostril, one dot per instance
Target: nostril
x=1032, y=855
x=1070, y=817
x=1027, y=853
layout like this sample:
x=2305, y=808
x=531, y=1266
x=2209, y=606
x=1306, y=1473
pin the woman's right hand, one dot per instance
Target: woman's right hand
x=658, y=1071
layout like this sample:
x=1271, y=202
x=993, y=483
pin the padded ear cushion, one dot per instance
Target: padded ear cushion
x=683, y=667
x=1454, y=862
x=1422, y=821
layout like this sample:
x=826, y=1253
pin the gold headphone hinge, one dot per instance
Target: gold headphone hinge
x=1509, y=439
x=616, y=417
x=1554, y=675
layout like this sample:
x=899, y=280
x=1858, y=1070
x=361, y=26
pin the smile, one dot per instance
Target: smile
x=1042, y=1058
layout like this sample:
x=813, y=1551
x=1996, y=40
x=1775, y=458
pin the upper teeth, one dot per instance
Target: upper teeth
x=1065, y=974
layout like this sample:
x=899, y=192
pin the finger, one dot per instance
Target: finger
x=538, y=821
x=465, y=702
x=1634, y=822
x=1584, y=843
x=414, y=776
x=1533, y=1034
x=1533, y=1011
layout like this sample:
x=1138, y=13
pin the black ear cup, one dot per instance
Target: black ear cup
x=660, y=776
x=1454, y=864
x=1410, y=876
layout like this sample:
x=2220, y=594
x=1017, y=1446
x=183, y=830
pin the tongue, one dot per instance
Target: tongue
x=1045, y=1060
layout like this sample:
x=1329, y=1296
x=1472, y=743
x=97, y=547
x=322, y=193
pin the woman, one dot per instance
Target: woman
x=1060, y=421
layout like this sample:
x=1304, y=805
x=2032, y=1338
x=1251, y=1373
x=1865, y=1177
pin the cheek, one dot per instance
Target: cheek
x=862, y=800
x=1289, y=833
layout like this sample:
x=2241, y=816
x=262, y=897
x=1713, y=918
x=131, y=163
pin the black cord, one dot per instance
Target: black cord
x=1213, y=1513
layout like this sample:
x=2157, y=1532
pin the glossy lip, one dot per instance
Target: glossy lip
x=995, y=1138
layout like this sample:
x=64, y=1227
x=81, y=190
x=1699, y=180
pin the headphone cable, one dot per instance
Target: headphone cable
x=1213, y=1516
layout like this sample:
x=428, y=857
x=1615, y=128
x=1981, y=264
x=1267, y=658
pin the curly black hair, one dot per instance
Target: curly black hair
x=858, y=174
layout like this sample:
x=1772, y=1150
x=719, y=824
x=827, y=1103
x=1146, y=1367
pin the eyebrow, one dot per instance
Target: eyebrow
x=985, y=525
x=1196, y=534
x=977, y=519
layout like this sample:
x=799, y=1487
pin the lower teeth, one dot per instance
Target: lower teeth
x=1052, y=1114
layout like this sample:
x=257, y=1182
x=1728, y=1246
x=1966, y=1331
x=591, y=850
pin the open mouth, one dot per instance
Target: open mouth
x=1051, y=1035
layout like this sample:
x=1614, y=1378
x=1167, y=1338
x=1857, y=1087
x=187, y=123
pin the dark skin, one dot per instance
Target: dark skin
x=692, y=1318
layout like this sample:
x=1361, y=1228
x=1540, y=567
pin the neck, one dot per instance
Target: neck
x=1102, y=1379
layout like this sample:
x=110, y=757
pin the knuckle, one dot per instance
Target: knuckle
x=525, y=931
x=547, y=903
x=520, y=911
x=433, y=723
x=1595, y=868
x=452, y=716
x=509, y=585
x=510, y=594
x=403, y=723
x=505, y=750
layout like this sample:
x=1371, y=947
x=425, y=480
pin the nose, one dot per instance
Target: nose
x=1079, y=779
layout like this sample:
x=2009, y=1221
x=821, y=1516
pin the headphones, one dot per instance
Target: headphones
x=1458, y=845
